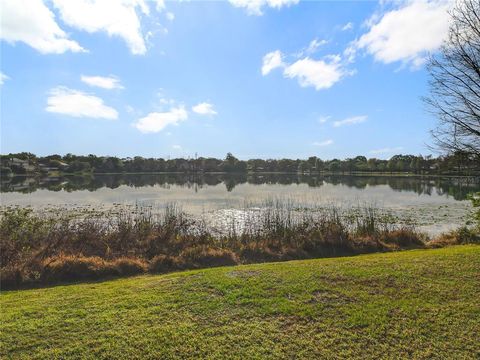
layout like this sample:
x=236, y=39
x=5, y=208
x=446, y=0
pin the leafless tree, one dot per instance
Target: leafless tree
x=455, y=82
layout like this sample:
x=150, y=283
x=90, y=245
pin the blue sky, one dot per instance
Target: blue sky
x=264, y=78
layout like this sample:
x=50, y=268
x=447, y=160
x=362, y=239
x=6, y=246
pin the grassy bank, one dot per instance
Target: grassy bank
x=412, y=304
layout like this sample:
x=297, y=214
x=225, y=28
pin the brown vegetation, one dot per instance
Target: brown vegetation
x=463, y=235
x=40, y=249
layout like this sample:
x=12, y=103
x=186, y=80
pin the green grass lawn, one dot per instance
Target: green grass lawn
x=411, y=304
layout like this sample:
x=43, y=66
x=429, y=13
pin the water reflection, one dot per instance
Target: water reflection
x=458, y=188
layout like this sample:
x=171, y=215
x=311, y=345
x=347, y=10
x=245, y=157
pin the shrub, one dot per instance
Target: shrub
x=444, y=239
x=201, y=256
x=463, y=235
x=402, y=238
x=366, y=244
x=165, y=263
x=71, y=268
x=11, y=278
x=252, y=253
x=466, y=235
x=475, y=199
x=20, y=233
x=130, y=266
x=328, y=237
x=293, y=254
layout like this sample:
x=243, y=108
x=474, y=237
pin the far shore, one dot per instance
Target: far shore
x=317, y=174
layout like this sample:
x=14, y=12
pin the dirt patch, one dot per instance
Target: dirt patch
x=334, y=279
x=163, y=281
x=329, y=297
x=243, y=274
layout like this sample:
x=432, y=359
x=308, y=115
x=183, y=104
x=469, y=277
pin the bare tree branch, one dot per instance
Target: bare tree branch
x=455, y=83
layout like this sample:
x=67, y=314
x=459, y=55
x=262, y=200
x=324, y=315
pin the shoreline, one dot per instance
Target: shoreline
x=355, y=174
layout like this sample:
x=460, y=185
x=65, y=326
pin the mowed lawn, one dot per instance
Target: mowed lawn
x=411, y=304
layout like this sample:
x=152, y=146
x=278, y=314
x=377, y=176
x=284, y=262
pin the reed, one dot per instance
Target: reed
x=47, y=247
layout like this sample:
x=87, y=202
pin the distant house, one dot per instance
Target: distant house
x=46, y=168
x=53, y=165
x=18, y=162
x=15, y=162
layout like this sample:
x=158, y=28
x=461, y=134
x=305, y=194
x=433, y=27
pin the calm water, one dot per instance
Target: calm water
x=435, y=204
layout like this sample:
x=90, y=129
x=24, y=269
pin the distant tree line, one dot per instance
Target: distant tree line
x=458, y=163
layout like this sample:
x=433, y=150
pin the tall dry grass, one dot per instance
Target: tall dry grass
x=41, y=248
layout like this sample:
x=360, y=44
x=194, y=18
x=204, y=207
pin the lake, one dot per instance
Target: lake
x=433, y=204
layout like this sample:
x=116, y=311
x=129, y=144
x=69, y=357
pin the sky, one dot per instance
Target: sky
x=257, y=78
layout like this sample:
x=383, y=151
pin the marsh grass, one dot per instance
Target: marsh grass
x=46, y=247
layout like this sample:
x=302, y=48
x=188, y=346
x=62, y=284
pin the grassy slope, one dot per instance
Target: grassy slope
x=414, y=304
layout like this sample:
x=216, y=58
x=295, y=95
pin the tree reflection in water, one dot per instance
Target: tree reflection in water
x=458, y=188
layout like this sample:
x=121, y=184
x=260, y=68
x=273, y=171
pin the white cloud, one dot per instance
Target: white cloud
x=323, y=143
x=31, y=22
x=160, y=4
x=323, y=119
x=3, y=77
x=314, y=45
x=407, y=33
x=165, y=101
x=177, y=147
x=311, y=48
x=321, y=74
x=204, y=109
x=103, y=82
x=347, y=26
x=350, y=52
x=386, y=150
x=63, y=100
x=271, y=61
x=170, y=16
x=116, y=18
x=254, y=7
x=157, y=121
x=351, y=120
